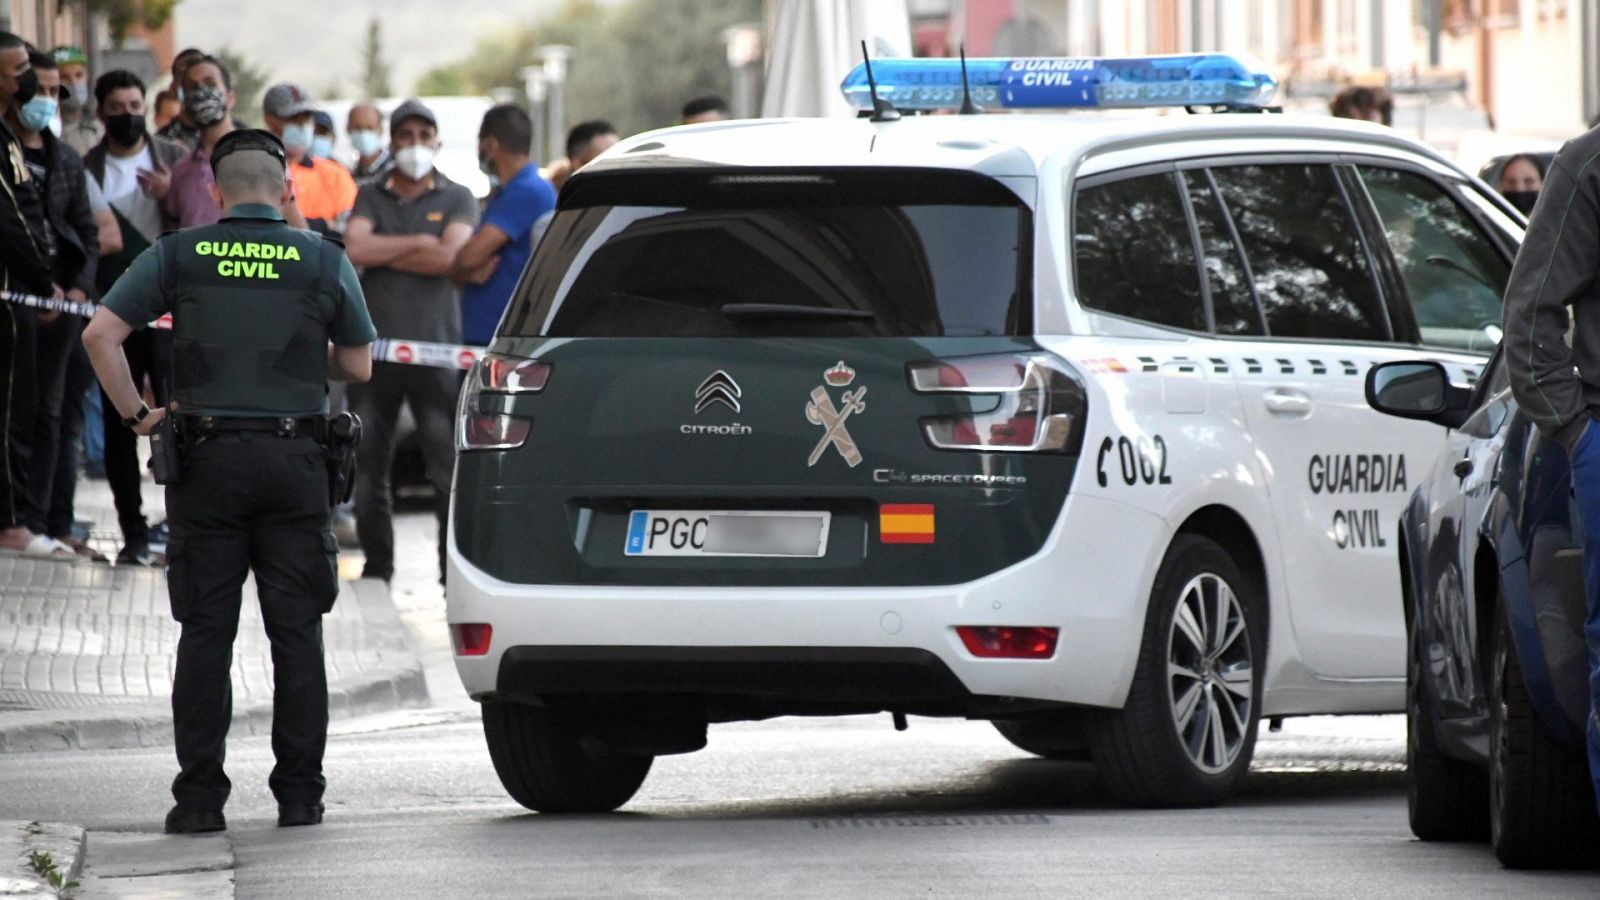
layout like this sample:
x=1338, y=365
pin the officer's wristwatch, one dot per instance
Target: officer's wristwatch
x=136, y=418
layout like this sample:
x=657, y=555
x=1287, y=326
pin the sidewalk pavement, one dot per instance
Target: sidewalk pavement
x=87, y=650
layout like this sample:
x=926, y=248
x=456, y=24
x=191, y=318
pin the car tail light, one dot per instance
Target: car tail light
x=1009, y=642
x=1040, y=403
x=483, y=421
x=471, y=638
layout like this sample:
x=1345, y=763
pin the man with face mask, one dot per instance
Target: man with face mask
x=405, y=232
x=115, y=166
x=185, y=192
x=322, y=188
x=365, y=127
x=72, y=242
x=323, y=135
x=25, y=268
x=80, y=129
x=490, y=264
x=180, y=129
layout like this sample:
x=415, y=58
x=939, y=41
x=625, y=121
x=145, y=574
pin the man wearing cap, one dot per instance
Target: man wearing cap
x=323, y=135
x=323, y=189
x=405, y=232
x=263, y=315
x=80, y=128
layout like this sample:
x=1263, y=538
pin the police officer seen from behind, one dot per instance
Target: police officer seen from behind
x=255, y=305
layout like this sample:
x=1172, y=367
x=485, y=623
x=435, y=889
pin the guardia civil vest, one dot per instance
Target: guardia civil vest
x=251, y=304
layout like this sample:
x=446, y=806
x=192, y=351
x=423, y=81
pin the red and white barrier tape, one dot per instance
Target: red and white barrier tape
x=409, y=353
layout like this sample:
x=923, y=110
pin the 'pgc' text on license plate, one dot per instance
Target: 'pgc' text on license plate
x=686, y=532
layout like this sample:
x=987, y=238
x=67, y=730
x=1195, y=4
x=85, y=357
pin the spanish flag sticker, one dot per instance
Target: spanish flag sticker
x=906, y=523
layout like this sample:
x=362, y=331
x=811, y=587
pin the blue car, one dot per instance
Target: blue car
x=1492, y=575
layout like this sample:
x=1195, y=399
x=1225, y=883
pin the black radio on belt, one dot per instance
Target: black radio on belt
x=166, y=451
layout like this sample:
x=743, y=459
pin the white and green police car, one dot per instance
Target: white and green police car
x=1055, y=420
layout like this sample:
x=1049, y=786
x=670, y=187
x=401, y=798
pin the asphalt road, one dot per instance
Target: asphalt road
x=793, y=808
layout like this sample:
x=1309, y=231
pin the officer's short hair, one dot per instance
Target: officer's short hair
x=509, y=125
x=249, y=163
x=250, y=173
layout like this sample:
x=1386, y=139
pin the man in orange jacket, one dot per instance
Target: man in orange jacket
x=323, y=189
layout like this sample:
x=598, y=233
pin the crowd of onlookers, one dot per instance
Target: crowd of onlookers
x=96, y=169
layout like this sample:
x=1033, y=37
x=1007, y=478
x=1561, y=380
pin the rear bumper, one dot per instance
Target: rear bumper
x=873, y=645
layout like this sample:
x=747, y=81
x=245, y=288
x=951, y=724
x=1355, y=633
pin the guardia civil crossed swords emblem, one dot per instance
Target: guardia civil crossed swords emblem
x=821, y=411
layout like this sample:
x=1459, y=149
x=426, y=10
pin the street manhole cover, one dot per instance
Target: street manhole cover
x=929, y=821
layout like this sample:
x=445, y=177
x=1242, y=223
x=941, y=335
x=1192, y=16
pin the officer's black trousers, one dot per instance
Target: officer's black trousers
x=250, y=502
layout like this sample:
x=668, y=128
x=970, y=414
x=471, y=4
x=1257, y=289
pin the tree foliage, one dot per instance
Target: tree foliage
x=634, y=63
x=122, y=15
x=375, y=70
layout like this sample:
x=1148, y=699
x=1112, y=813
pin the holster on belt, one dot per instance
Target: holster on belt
x=344, y=436
x=166, y=451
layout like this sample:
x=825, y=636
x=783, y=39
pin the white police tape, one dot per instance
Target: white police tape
x=409, y=353
x=425, y=353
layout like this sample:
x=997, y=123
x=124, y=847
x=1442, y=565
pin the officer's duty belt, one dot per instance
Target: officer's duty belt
x=286, y=426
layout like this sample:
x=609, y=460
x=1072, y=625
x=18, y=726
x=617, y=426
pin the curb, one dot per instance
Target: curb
x=64, y=843
x=119, y=725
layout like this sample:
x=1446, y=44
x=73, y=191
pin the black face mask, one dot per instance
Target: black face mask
x=27, y=86
x=125, y=130
x=1522, y=200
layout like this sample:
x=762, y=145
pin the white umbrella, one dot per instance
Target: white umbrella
x=815, y=43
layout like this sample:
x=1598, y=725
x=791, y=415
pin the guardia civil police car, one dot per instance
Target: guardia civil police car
x=1051, y=420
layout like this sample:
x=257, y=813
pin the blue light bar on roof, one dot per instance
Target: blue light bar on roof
x=1202, y=79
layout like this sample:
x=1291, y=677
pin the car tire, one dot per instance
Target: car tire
x=1051, y=736
x=1187, y=733
x=545, y=764
x=1541, y=810
x=1447, y=799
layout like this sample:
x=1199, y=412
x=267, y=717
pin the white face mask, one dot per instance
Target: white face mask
x=415, y=161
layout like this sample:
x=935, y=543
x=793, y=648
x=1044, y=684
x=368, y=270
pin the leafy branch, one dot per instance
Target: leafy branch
x=122, y=15
x=46, y=867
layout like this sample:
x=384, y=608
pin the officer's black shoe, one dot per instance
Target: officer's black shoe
x=187, y=820
x=292, y=814
x=135, y=555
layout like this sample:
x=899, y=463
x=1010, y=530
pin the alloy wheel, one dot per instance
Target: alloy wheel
x=1210, y=673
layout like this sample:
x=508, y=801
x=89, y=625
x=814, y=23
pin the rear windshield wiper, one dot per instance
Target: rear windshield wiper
x=791, y=311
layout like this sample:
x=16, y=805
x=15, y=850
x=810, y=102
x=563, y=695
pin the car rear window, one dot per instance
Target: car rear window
x=780, y=255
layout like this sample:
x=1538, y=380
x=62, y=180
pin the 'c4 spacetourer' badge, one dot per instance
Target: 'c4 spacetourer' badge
x=821, y=411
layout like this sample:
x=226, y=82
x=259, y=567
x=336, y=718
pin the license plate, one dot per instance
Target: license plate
x=683, y=532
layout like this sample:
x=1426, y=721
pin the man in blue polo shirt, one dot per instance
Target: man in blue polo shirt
x=492, y=261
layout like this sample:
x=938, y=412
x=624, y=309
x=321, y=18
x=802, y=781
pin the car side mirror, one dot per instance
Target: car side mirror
x=1417, y=390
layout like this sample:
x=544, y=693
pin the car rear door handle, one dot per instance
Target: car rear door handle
x=1287, y=402
x=1463, y=467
